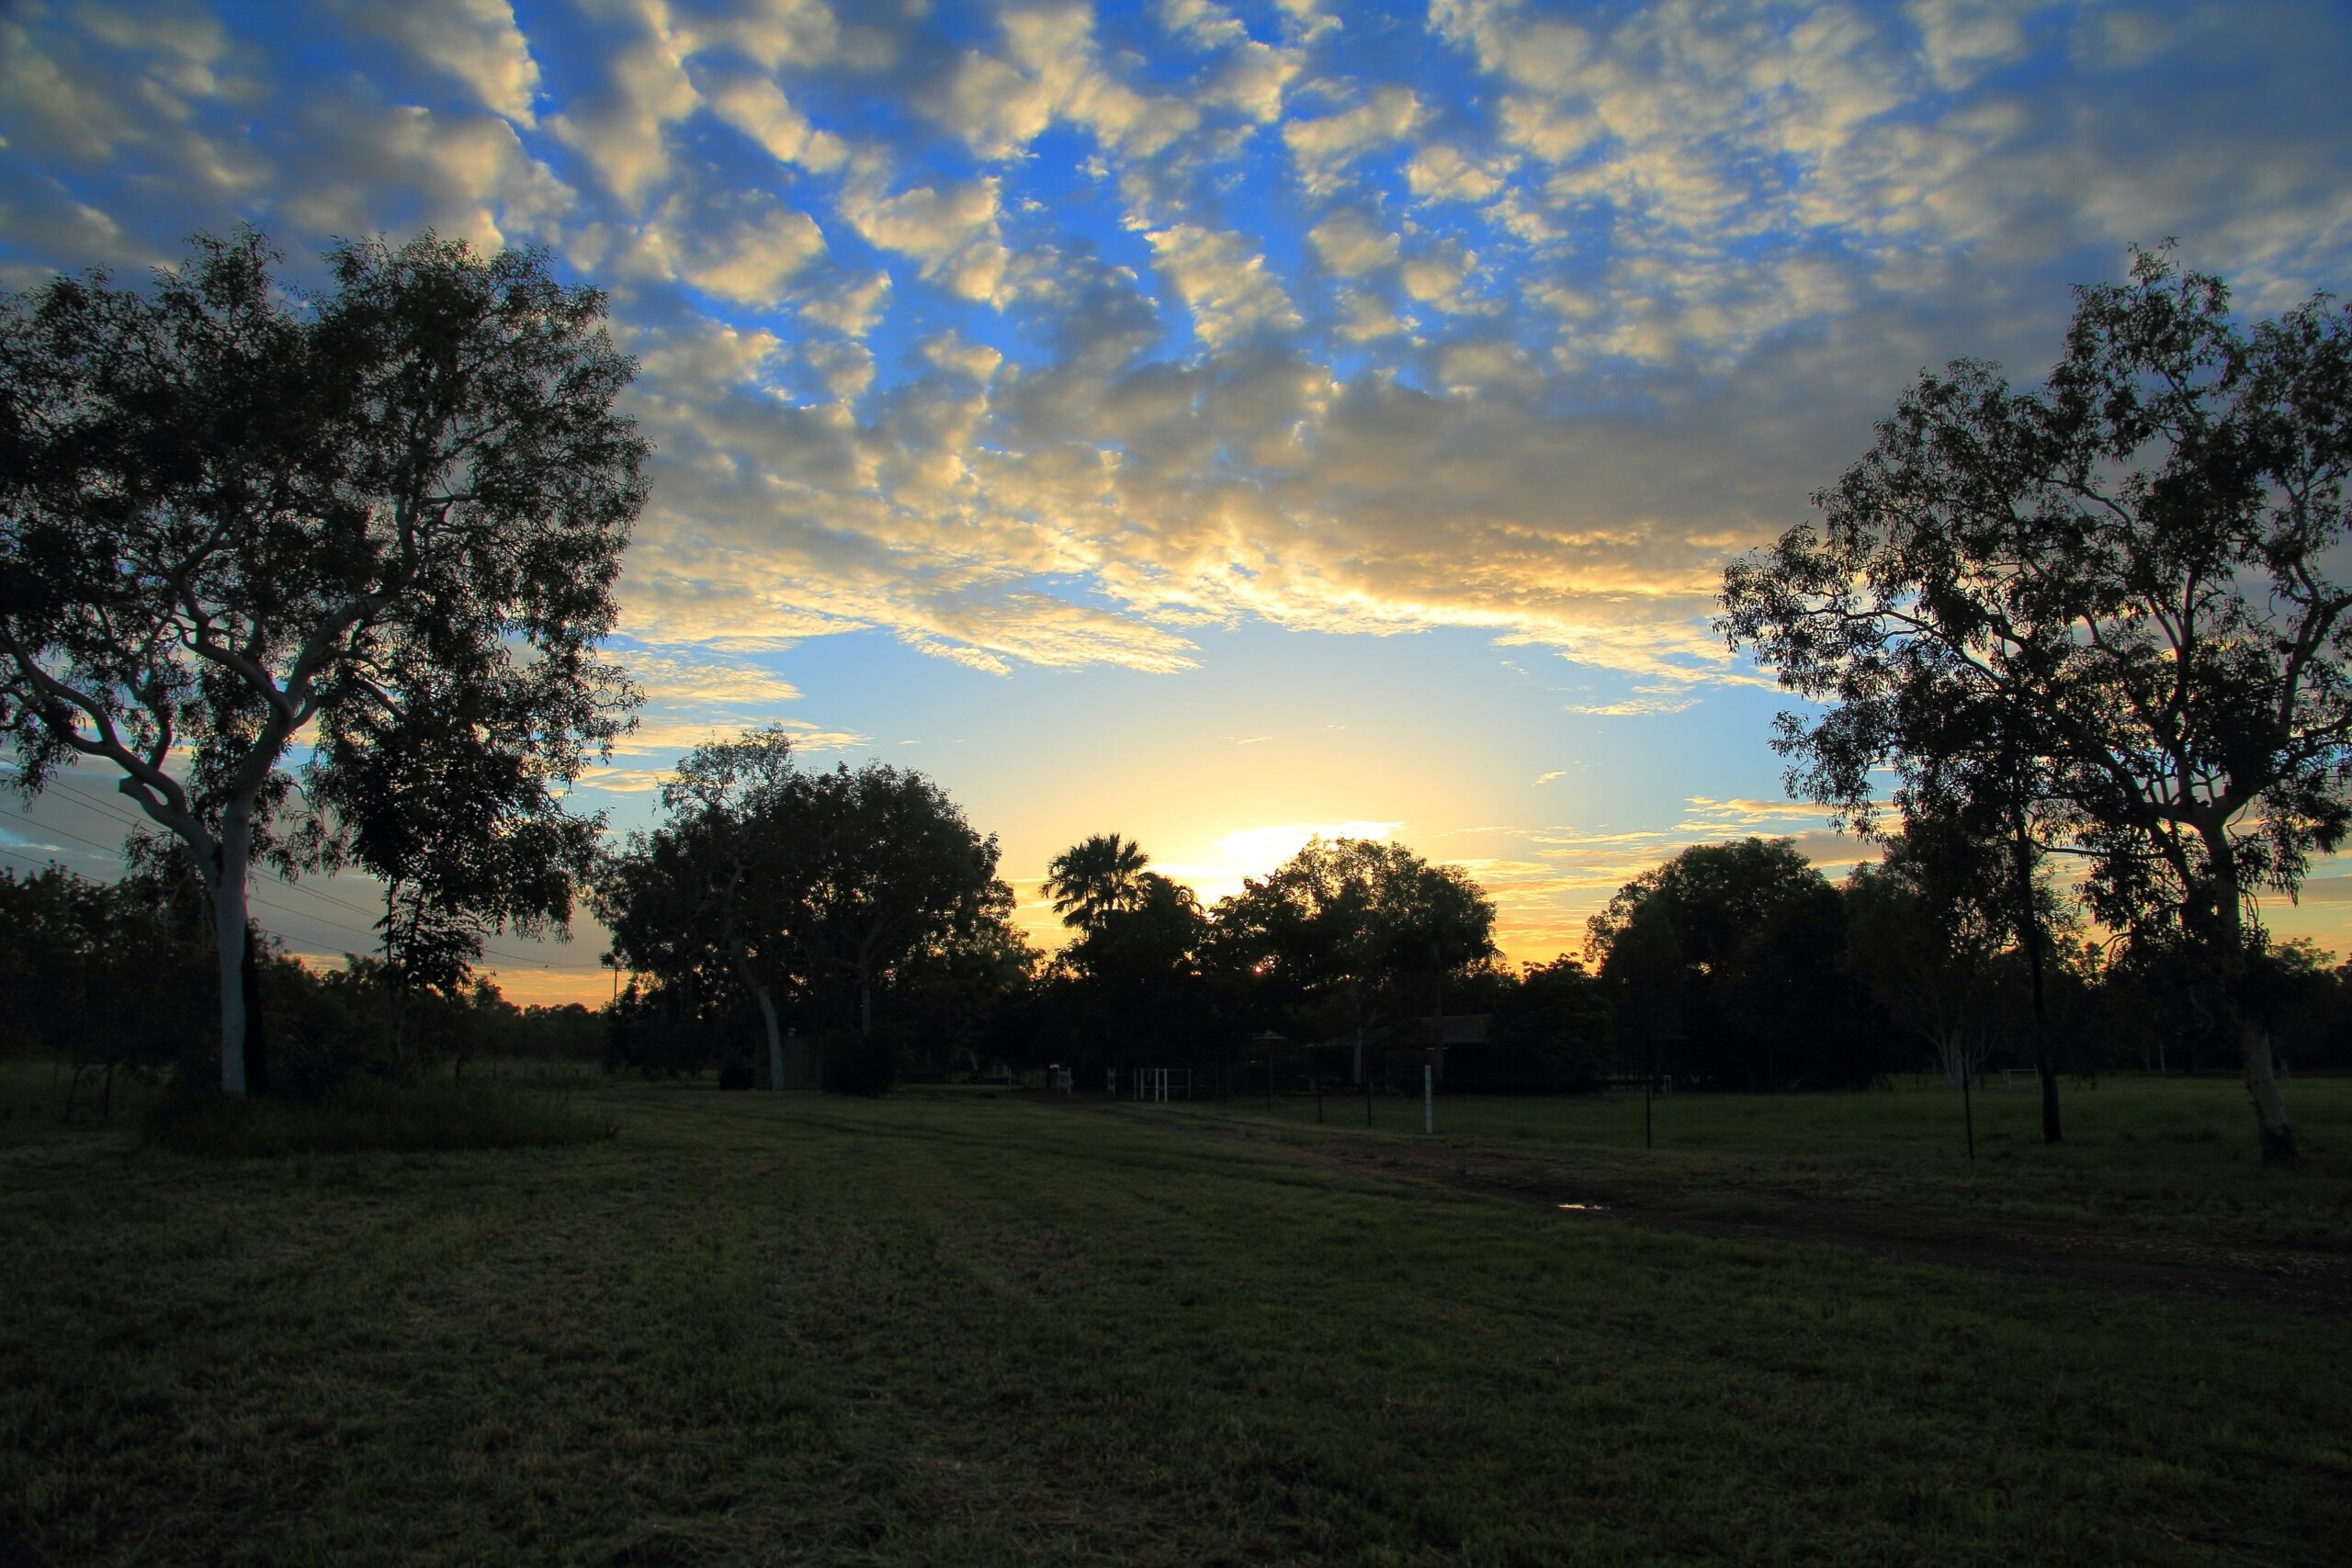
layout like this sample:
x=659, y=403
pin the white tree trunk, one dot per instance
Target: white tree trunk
x=2262, y=1085
x=232, y=858
x=776, y=1038
x=2277, y=1135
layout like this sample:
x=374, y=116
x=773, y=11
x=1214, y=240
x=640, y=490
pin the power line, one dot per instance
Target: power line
x=109, y=808
x=28, y=858
x=368, y=937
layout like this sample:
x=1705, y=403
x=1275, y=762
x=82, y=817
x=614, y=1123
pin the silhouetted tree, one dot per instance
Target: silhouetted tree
x=1552, y=1030
x=443, y=791
x=1346, y=925
x=227, y=517
x=960, y=998
x=1134, y=990
x=719, y=893
x=1724, y=964
x=1925, y=926
x=2126, y=576
x=1096, y=877
x=825, y=889
x=106, y=975
x=895, y=871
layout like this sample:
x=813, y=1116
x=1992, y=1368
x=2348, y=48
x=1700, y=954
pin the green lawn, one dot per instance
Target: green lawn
x=994, y=1329
x=2161, y=1156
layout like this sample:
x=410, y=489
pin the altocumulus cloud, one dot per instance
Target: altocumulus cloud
x=1051, y=335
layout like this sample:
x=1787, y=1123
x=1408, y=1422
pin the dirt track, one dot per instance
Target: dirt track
x=2297, y=1279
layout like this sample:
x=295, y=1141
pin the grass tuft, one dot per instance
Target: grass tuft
x=371, y=1115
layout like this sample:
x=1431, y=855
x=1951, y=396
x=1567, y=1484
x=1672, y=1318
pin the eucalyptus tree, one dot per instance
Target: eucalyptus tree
x=1694, y=950
x=2112, y=598
x=813, y=888
x=232, y=516
x=1344, y=921
x=443, y=793
x=893, y=871
x=721, y=889
x=1924, y=929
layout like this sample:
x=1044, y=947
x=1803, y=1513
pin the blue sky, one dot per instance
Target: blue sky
x=1213, y=421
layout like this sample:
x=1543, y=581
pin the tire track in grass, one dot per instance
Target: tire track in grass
x=2296, y=1278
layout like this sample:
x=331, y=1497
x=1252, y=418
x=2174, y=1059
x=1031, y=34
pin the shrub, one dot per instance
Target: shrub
x=860, y=1064
x=369, y=1113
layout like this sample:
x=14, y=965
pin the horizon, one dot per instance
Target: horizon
x=1218, y=425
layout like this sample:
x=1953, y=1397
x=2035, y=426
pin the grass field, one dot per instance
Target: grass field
x=2157, y=1155
x=990, y=1329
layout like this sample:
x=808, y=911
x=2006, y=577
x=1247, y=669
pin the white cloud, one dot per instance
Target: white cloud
x=950, y=228
x=463, y=175
x=781, y=33
x=750, y=260
x=1634, y=707
x=1253, y=80
x=1960, y=38
x=1323, y=147
x=1440, y=172
x=1708, y=815
x=845, y=369
x=757, y=108
x=1541, y=401
x=1368, y=317
x=622, y=129
x=1223, y=282
x=1435, y=275
x=1548, y=129
x=850, y=308
x=957, y=355
x=1202, y=23
x=1350, y=245
x=1303, y=21
x=1051, y=71
x=476, y=41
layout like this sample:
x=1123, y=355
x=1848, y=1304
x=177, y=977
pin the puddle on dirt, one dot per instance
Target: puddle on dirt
x=1586, y=1208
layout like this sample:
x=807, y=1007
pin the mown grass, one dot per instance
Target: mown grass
x=371, y=1115
x=2159, y=1155
x=760, y=1329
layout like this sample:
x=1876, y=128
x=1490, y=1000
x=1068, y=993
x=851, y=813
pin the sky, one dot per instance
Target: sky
x=1215, y=422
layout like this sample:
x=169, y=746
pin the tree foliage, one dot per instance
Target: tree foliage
x=1725, y=967
x=810, y=894
x=1351, y=931
x=448, y=799
x=709, y=903
x=229, y=520
x=1097, y=877
x=1554, y=1029
x=1924, y=930
x=2117, y=590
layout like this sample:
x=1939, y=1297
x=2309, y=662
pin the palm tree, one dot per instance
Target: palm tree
x=1096, y=878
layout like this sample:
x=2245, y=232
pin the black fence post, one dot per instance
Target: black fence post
x=1967, y=1112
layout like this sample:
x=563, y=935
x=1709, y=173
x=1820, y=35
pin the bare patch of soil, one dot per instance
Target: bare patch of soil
x=2296, y=1278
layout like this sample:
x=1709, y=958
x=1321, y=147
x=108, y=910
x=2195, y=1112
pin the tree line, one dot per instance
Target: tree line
x=324, y=577
x=747, y=920
x=113, y=979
